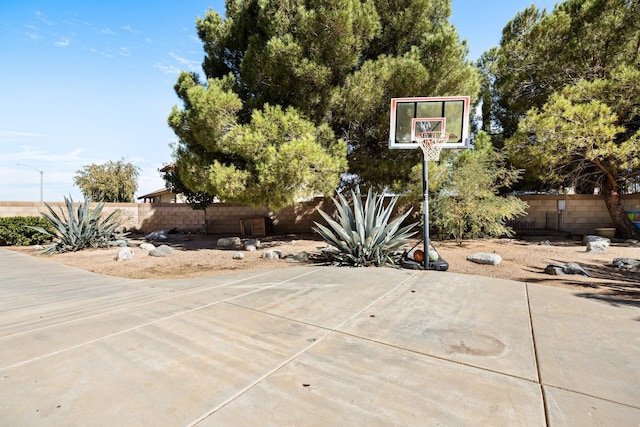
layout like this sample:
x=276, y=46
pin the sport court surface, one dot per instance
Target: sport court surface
x=309, y=346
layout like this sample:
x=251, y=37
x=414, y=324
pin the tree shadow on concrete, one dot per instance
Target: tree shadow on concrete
x=613, y=286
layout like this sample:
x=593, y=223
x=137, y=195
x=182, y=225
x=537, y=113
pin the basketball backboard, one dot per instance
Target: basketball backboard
x=453, y=109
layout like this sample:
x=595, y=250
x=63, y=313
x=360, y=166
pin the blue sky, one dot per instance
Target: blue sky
x=87, y=82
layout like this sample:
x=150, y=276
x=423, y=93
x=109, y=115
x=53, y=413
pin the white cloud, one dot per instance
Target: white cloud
x=124, y=51
x=190, y=64
x=32, y=32
x=18, y=134
x=100, y=52
x=107, y=31
x=180, y=59
x=63, y=42
x=129, y=29
x=43, y=18
x=32, y=36
x=30, y=154
x=167, y=69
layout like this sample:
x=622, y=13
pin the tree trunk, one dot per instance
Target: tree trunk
x=624, y=226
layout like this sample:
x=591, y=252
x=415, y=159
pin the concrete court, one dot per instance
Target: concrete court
x=309, y=346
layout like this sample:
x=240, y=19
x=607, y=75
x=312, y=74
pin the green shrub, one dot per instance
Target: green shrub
x=364, y=236
x=18, y=231
x=83, y=228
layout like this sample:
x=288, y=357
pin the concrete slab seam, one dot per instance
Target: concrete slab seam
x=543, y=384
x=545, y=406
x=281, y=365
x=591, y=396
x=440, y=358
x=33, y=359
x=130, y=307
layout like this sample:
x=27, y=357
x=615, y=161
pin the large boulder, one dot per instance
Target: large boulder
x=272, y=254
x=554, y=270
x=147, y=246
x=568, y=268
x=229, y=242
x=575, y=268
x=251, y=245
x=485, y=258
x=159, y=235
x=162, y=251
x=590, y=238
x=301, y=257
x=626, y=263
x=125, y=254
x=596, y=247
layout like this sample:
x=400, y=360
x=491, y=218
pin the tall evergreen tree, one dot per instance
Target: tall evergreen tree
x=567, y=97
x=335, y=63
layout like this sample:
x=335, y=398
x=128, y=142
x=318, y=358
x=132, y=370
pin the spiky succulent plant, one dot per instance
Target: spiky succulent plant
x=83, y=228
x=363, y=236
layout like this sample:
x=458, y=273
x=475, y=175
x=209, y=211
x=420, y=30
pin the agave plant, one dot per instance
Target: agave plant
x=83, y=228
x=364, y=236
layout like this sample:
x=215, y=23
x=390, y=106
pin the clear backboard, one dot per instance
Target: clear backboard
x=453, y=109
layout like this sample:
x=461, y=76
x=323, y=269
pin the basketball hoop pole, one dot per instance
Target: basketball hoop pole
x=425, y=210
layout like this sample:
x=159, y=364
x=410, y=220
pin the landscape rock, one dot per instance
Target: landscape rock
x=575, y=268
x=299, y=257
x=568, y=268
x=596, y=247
x=162, y=251
x=120, y=242
x=125, y=254
x=238, y=255
x=554, y=270
x=272, y=254
x=160, y=235
x=229, y=242
x=626, y=263
x=147, y=246
x=590, y=238
x=251, y=245
x=484, y=258
x=545, y=243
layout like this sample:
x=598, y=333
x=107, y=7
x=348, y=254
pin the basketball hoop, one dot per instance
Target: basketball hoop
x=431, y=143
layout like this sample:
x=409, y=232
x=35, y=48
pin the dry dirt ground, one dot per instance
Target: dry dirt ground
x=522, y=260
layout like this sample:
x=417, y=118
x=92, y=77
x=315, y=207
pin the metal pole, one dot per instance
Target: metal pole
x=41, y=185
x=425, y=210
x=41, y=178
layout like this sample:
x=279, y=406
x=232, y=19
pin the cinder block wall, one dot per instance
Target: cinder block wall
x=222, y=218
x=582, y=214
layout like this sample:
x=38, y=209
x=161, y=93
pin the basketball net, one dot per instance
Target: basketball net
x=431, y=143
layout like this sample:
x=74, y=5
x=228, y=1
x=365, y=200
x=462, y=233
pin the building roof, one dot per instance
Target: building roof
x=154, y=193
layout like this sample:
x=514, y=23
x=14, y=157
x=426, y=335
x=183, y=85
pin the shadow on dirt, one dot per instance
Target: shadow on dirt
x=616, y=287
x=195, y=242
